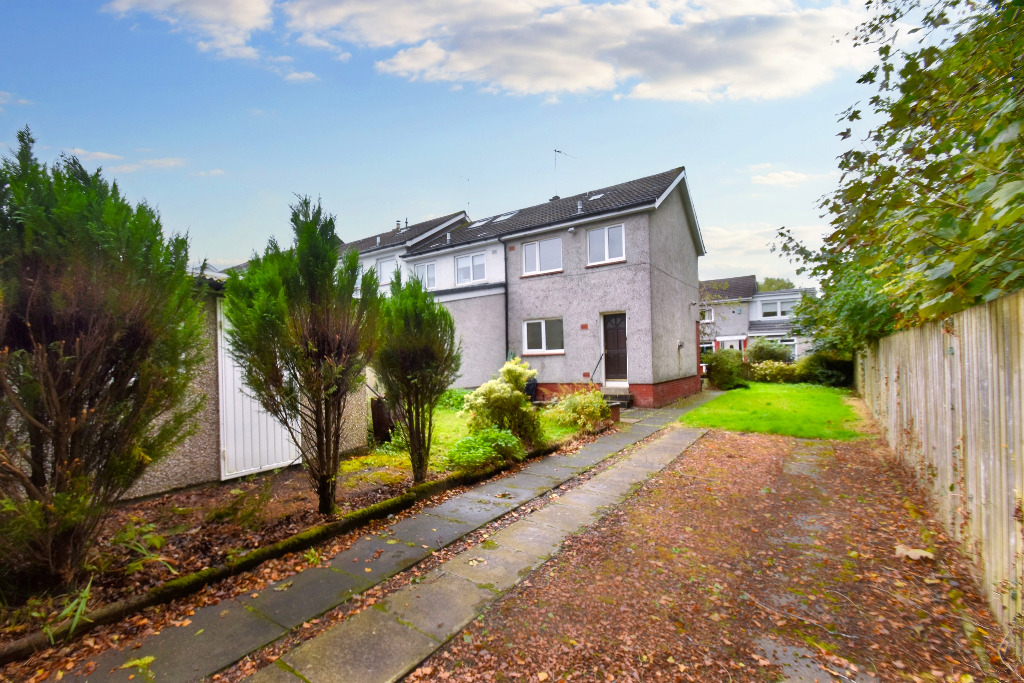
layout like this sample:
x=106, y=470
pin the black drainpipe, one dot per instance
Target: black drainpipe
x=504, y=252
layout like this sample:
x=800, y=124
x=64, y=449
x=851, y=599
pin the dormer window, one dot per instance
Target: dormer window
x=778, y=309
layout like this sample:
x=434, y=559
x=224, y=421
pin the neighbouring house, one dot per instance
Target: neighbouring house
x=587, y=288
x=733, y=312
x=235, y=437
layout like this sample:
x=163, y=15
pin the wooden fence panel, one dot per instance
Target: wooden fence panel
x=948, y=396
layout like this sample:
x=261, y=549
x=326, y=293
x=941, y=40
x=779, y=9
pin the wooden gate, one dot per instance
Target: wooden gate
x=250, y=439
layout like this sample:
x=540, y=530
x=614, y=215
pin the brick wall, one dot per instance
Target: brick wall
x=657, y=395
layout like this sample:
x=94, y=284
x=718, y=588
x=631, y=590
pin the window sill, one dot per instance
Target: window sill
x=604, y=263
x=543, y=353
x=471, y=282
x=544, y=272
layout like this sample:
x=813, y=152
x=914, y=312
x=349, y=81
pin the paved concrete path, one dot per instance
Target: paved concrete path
x=385, y=642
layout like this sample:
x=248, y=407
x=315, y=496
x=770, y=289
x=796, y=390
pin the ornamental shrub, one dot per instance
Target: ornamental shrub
x=485, y=448
x=768, y=349
x=502, y=403
x=826, y=367
x=775, y=372
x=582, y=409
x=725, y=368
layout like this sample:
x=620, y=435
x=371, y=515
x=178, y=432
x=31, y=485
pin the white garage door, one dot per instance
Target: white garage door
x=250, y=439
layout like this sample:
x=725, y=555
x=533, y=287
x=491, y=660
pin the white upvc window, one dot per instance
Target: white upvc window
x=469, y=269
x=386, y=270
x=707, y=314
x=425, y=274
x=543, y=336
x=606, y=245
x=778, y=309
x=543, y=256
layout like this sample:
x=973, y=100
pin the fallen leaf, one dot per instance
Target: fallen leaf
x=913, y=553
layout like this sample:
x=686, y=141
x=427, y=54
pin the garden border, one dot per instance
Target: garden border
x=192, y=583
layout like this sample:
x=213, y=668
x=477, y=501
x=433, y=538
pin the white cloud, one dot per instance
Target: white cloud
x=212, y=172
x=745, y=248
x=165, y=162
x=7, y=98
x=787, y=178
x=685, y=50
x=667, y=50
x=222, y=26
x=300, y=76
x=85, y=155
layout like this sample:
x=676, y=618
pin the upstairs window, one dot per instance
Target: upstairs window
x=469, y=269
x=778, y=309
x=425, y=274
x=543, y=256
x=707, y=314
x=606, y=245
x=542, y=336
x=386, y=270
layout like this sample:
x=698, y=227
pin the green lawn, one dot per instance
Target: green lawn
x=803, y=410
x=448, y=428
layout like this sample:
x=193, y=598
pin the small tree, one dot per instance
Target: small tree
x=100, y=338
x=418, y=359
x=774, y=284
x=303, y=338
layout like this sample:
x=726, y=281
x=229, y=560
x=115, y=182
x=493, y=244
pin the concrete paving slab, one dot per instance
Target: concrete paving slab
x=430, y=530
x=382, y=556
x=588, y=499
x=494, y=568
x=476, y=510
x=587, y=457
x=565, y=517
x=275, y=673
x=439, y=606
x=540, y=540
x=556, y=467
x=306, y=595
x=617, y=487
x=369, y=646
x=217, y=637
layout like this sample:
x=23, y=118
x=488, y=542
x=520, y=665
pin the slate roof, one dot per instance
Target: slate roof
x=727, y=289
x=631, y=194
x=396, y=236
x=772, y=326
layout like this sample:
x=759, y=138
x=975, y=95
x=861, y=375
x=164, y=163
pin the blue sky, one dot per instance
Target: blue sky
x=218, y=113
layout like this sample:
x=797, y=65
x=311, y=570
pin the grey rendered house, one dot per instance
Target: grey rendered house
x=734, y=312
x=598, y=287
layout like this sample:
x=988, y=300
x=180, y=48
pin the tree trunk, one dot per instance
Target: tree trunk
x=325, y=495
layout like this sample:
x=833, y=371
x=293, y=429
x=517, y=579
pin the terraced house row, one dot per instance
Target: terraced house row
x=598, y=287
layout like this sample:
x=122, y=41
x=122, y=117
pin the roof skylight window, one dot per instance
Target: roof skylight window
x=597, y=196
x=479, y=223
x=506, y=216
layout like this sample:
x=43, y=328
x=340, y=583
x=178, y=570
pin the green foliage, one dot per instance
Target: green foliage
x=303, y=338
x=768, y=349
x=73, y=613
x=417, y=360
x=485, y=448
x=453, y=399
x=245, y=508
x=774, y=284
x=100, y=338
x=582, y=409
x=725, y=368
x=501, y=403
x=142, y=541
x=929, y=216
x=774, y=372
x=800, y=410
x=826, y=367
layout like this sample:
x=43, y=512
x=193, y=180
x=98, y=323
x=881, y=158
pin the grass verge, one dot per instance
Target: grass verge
x=803, y=410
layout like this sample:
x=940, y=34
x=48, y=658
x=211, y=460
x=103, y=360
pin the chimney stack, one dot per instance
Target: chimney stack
x=398, y=225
